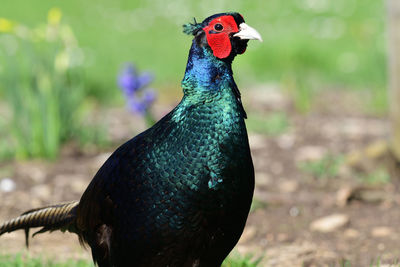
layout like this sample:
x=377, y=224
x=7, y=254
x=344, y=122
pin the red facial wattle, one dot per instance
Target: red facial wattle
x=219, y=41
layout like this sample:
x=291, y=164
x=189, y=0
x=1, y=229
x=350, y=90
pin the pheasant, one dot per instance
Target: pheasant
x=179, y=193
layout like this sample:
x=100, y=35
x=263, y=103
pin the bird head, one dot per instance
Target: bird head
x=226, y=34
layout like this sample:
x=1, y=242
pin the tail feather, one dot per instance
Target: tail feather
x=53, y=217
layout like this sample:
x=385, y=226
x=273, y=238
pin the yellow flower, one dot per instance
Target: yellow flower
x=6, y=25
x=62, y=61
x=54, y=16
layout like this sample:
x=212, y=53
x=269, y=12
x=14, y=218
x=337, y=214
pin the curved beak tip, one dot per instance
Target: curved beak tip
x=248, y=33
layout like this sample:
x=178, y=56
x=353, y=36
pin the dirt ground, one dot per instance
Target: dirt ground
x=284, y=227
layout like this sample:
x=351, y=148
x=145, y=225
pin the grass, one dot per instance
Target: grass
x=237, y=260
x=43, y=86
x=233, y=261
x=257, y=204
x=376, y=177
x=326, y=167
x=307, y=44
x=377, y=263
x=272, y=124
x=22, y=261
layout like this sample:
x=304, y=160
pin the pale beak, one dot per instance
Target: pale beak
x=248, y=33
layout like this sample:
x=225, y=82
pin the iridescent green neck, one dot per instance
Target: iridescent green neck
x=204, y=72
x=208, y=77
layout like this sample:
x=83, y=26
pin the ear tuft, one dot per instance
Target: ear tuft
x=192, y=28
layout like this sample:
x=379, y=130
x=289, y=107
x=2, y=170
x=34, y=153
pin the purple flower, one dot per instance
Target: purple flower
x=149, y=96
x=136, y=106
x=140, y=104
x=133, y=86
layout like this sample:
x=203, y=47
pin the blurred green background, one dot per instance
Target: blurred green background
x=55, y=66
x=59, y=62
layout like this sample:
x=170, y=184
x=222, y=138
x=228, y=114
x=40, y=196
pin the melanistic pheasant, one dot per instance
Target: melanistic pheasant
x=179, y=193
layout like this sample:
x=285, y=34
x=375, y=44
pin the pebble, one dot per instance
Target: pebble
x=288, y=186
x=294, y=211
x=329, y=223
x=263, y=179
x=372, y=196
x=351, y=233
x=381, y=231
x=343, y=195
x=310, y=153
x=7, y=185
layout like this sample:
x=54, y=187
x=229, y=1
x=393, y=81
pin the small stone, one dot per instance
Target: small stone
x=310, y=153
x=7, y=185
x=381, y=231
x=288, y=186
x=263, y=179
x=329, y=223
x=343, y=195
x=294, y=211
x=381, y=246
x=371, y=196
x=351, y=233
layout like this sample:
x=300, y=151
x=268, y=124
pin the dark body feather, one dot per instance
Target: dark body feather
x=179, y=193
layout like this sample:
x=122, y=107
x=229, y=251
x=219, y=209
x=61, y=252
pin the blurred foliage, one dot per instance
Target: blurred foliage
x=376, y=263
x=236, y=260
x=257, y=204
x=272, y=124
x=23, y=261
x=19, y=260
x=326, y=167
x=376, y=177
x=308, y=44
x=42, y=82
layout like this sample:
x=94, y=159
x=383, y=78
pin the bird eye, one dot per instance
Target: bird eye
x=218, y=27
